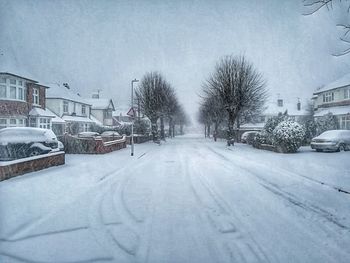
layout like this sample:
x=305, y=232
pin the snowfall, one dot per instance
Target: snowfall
x=188, y=200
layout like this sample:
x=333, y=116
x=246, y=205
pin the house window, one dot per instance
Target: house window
x=45, y=123
x=3, y=80
x=36, y=96
x=13, y=122
x=328, y=96
x=20, y=94
x=13, y=92
x=345, y=122
x=12, y=81
x=65, y=106
x=83, y=110
x=3, y=91
x=347, y=94
x=3, y=123
x=280, y=103
x=107, y=114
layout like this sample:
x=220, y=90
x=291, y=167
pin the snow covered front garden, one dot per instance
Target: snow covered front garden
x=187, y=200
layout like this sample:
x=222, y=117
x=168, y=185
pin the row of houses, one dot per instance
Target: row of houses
x=333, y=98
x=26, y=102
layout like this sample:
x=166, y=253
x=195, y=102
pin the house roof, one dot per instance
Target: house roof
x=41, y=112
x=56, y=119
x=18, y=76
x=100, y=104
x=76, y=118
x=342, y=82
x=341, y=110
x=58, y=91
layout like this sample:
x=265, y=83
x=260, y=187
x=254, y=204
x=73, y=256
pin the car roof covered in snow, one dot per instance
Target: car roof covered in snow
x=25, y=135
x=334, y=134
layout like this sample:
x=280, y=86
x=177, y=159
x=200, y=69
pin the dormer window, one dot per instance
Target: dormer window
x=280, y=103
x=35, y=96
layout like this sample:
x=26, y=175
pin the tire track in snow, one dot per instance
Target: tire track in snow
x=238, y=244
x=275, y=189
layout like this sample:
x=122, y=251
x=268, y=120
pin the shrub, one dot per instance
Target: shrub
x=288, y=136
x=272, y=122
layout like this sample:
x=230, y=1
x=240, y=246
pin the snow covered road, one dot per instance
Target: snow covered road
x=188, y=200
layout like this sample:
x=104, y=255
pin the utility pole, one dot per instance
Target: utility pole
x=133, y=116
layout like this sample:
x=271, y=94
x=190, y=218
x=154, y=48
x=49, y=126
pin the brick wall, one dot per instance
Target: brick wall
x=26, y=166
x=42, y=94
x=12, y=108
x=77, y=145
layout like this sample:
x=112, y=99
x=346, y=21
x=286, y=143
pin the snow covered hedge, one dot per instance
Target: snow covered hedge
x=288, y=136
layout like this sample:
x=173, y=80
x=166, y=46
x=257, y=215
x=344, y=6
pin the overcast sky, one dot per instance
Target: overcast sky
x=105, y=44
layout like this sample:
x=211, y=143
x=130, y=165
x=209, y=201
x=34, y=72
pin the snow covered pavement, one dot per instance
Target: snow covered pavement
x=188, y=200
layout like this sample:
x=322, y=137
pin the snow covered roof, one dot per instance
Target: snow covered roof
x=256, y=126
x=55, y=119
x=18, y=76
x=96, y=120
x=41, y=112
x=341, y=110
x=101, y=104
x=120, y=111
x=289, y=106
x=76, y=118
x=342, y=82
x=58, y=91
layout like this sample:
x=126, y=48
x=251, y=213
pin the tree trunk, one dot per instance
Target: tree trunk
x=181, y=129
x=154, y=129
x=162, y=133
x=215, y=131
x=205, y=131
x=170, y=128
x=208, y=131
x=238, y=138
x=173, y=130
x=231, y=132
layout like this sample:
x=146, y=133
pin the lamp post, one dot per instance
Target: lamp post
x=133, y=116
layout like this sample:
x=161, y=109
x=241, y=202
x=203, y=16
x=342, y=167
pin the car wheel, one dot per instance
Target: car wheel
x=341, y=147
x=319, y=150
x=34, y=152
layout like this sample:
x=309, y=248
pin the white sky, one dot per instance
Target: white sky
x=105, y=44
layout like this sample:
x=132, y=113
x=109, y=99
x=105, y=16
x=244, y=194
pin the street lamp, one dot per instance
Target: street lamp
x=133, y=116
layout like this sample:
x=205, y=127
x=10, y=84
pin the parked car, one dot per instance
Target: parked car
x=21, y=142
x=333, y=140
x=110, y=134
x=248, y=136
x=88, y=134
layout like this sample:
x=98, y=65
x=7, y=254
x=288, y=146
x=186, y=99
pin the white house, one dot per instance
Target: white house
x=296, y=108
x=334, y=98
x=69, y=107
x=101, y=110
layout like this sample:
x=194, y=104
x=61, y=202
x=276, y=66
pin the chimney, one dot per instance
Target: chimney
x=299, y=105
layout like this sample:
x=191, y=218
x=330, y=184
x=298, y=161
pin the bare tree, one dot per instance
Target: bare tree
x=313, y=6
x=151, y=98
x=239, y=87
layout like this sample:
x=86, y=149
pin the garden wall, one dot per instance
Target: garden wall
x=9, y=169
x=75, y=145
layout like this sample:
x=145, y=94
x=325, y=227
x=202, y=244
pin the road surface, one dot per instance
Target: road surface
x=188, y=200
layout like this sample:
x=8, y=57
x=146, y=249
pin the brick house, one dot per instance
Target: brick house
x=22, y=102
x=334, y=98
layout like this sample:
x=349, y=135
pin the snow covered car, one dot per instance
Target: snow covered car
x=110, y=134
x=21, y=142
x=249, y=135
x=333, y=140
x=88, y=134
